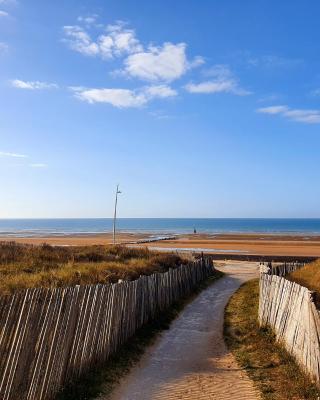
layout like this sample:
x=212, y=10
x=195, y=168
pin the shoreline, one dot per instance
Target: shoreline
x=28, y=234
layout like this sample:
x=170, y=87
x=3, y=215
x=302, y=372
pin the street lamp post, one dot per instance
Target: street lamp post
x=115, y=215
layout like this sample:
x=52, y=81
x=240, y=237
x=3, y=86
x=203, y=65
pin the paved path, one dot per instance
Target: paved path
x=190, y=361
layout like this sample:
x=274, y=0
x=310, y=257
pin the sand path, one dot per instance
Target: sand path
x=190, y=360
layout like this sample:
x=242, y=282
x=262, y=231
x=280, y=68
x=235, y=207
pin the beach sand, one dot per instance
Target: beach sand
x=78, y=240
x=245, y=244
x=251, y=244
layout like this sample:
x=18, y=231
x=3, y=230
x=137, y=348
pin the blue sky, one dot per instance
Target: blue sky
x=197, y=109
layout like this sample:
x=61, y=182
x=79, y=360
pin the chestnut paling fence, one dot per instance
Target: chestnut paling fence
x=49, y=337
x=290, y=310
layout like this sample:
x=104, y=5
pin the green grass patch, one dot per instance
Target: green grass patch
x=272, y=368
x=104, y=379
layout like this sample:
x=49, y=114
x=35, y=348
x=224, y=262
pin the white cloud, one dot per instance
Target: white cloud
x=13, y=155
x=273, y=110
x=209, y=87
x=32, y=85
x=121, y=98
x=38, y=165
x=161, y=91
x=3, y=14
x=219, y=71
x=223, y=81
x=89, y=19
x=160, y=115
x=164, y=63
x=79, y=40
x=155, y=63
x=116, y=41
x=123, y=39
x=299, y=115
x=196, y=62
x=124, y=98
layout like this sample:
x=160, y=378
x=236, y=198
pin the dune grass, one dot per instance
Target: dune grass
x=308, y=276
x=272, y=368
x=28, y=266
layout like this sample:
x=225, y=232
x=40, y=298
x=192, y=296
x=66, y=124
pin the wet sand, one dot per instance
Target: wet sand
x=274, y=245
x=245, y=244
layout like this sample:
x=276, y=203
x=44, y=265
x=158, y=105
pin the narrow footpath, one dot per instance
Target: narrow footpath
x=190, y=361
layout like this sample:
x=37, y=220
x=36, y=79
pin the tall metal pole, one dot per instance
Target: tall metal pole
x=115, y=215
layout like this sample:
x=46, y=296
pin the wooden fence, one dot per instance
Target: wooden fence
x=290, y=310
x=281, y=269
x=49, y=337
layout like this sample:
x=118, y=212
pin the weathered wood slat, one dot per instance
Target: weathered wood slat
x=50, y=337
x=290, y=310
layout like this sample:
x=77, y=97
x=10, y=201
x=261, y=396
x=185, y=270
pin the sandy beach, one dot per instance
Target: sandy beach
x=78, y=240
x=245, y=244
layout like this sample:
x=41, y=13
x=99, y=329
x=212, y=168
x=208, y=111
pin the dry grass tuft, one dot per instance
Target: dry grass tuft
x=27, y=266
x=308, y=276
x=272, y=368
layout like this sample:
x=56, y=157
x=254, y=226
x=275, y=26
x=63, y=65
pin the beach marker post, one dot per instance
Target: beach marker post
x=115, y=214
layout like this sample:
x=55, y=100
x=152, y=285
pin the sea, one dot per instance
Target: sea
x=87, y=226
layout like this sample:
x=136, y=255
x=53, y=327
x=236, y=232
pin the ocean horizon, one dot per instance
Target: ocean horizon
x=90, y=226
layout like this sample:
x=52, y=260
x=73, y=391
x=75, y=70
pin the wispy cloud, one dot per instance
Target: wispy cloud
x=160, y=115
x=274, y=61
x=3, y=14
x=6, y=154
x=124, y=98
x=32, y=85
x=13, y=155
x=38, y=165
x=300, y=115
x=89, y=19
x=8, y=2
x=119, y=40
x=267, y=61
x=80, y=41
x=159, y=91
x=270, y=98
x=116, y=40
x=222, y=81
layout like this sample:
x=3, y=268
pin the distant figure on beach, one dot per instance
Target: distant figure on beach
x=194, y=230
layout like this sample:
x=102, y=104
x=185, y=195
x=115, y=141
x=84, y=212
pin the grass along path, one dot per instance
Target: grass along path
x=274, y=371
